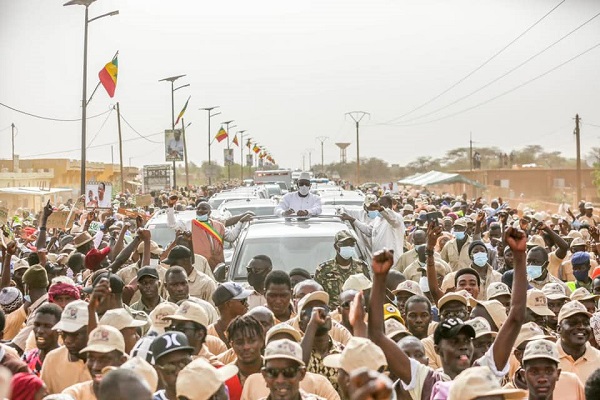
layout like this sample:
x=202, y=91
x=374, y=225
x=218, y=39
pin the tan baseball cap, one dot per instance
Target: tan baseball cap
x=477, y=382
x=284, y=348
x=538, y=303
x=496, y=310
x=461, y=296
x=314, y=296
x=481, y=326
x=105, y=339
x=359, y=352
x=581, y=294
x=496, y=289
x=190, y=311
x=200, y=381
x=541, y=348
x=154, y=248
x=408, y=286
x=536, y=240
x=578, y=241
x=157, y=316
x=120, y=319
x=530, y=331
x=283, y=328
x=554, y=291
x=144, y=370
x=74, y=317
x=460, y=222
x=357, y=282
x=571, y=308
x=393, y=327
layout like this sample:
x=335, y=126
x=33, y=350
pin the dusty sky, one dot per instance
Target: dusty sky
x=288, y=71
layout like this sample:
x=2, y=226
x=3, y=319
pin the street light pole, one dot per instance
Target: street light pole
x=226, y=123
x=242, y=153
x=322, y=139
x=209, y=109
x=357, y=116
x=172, y=79
x=84, y=101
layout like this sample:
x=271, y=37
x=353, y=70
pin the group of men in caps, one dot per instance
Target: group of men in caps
x=425, y=297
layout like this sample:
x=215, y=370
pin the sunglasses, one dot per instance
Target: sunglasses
x=303, y=184
x=289, y=372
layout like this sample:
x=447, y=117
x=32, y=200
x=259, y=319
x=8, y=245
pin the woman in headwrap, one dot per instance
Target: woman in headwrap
x=26, y=386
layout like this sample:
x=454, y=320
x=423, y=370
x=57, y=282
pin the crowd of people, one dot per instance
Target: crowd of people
x=448, y=298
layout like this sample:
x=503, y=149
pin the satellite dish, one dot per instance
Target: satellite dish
x=590, y=160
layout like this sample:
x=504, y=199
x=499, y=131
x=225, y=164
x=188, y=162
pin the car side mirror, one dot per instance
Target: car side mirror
x=220, y=272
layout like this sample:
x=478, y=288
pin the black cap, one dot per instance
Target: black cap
x=177, y=253
x=169, y=342
x=450, y=328
x=116, y=283
x=147, y=271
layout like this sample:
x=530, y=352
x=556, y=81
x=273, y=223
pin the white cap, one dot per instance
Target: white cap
x=74, y=317
x=200, y=381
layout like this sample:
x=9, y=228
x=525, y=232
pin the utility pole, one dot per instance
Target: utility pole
x=578, y=141
x=187, y=176
x=322, y=139
x=303, y=161
x=12, y=126
x=120, y=145
x=209, y=109
x=357, y=116
x=241, y=144
x=226, y=123
x=471, y=150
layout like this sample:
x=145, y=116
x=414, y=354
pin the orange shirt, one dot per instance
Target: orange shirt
x=81, y=391
x=58, y=373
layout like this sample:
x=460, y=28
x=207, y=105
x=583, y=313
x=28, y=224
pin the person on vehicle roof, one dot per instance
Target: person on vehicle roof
x=301, y=203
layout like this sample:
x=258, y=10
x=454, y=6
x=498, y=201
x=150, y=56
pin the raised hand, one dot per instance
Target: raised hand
x=516, y=240
x=357, y=309
x=382, y=261
x=433, y=234
x=172, y=200
x=47, y=210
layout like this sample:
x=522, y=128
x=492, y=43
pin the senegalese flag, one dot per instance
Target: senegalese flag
x=235, y=141
x=108, y=76
x=256, y=149
x=221, y=135
x=182, y=111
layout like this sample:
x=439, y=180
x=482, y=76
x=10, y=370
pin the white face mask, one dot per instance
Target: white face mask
x=424, y=284
x=303, y=190
x=154, y=262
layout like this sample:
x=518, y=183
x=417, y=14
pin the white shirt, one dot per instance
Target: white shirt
x=310, y=203
x=387, y=231
x=362, y=216
x=177, y=146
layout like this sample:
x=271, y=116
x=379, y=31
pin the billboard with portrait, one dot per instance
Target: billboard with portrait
x=173, y=145
x=228, y=154
x=98, y=195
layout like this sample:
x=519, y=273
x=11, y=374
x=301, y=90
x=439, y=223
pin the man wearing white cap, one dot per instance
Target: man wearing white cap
x=301, y=203
x=283, y=371
x=589, y=217
x=201, y=381
x=106, y=348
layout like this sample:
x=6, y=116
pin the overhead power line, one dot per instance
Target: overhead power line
x=50, y=118
x=505, y=74
x=139, y=134
x=99, y=130
x=506, y=92
x=461, y=80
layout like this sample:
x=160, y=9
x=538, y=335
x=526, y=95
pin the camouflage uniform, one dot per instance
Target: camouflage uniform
x=332, y=276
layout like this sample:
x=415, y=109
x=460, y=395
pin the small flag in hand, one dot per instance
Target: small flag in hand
x=108, y=76
x=221, y=135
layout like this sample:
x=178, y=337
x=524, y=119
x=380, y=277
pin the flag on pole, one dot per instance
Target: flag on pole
x=108, y=76
x=235, y=141
x=256, y=149
x=221, y=135
x=182, y=111
x=248, y=143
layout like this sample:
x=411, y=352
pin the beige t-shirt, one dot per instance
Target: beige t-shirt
x=58, y=373
x=255, y=387
x=81, y=391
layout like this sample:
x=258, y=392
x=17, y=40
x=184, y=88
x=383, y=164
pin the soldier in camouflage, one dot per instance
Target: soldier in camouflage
x=333, y=273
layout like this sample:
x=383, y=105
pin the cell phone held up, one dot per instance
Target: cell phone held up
x=432, y=217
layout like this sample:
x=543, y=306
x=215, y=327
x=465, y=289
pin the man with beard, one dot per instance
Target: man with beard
x=46, y=339
x=258, y=268
x=66, y=366
x=246, y=338
x=278, y=293
x=106, y=348
x=418, y=316
x=576, y=354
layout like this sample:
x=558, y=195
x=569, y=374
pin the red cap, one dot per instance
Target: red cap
x=94, y=257
x=596, y=273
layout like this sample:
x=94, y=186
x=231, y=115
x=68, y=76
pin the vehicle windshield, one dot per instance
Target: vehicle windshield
x=342, y=201
x=162, y=235
x=258, y=210
x=286, y=253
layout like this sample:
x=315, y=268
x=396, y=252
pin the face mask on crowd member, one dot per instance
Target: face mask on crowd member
x=537, y=263
x=581, y=266
x=459, y=229
x=479, y=254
